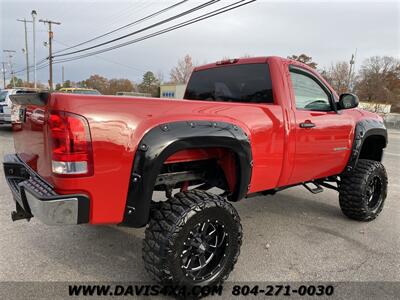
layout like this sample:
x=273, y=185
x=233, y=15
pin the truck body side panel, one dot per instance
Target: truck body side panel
x=118, y=124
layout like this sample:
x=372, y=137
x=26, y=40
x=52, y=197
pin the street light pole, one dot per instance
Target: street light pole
x=4, y=74
x=351, y=70
x=11, y=64
x=33, y=13
x=26, y=48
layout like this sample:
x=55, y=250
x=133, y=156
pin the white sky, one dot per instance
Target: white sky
x=326, y=30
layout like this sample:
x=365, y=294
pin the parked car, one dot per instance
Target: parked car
x=6, y=107
x=245, y=127
x=80, y=91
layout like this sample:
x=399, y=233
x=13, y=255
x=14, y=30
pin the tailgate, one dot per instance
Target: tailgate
x=29, y=131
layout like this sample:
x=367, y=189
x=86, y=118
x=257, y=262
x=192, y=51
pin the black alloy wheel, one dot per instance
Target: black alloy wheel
x=362, y=192
x=193, y=238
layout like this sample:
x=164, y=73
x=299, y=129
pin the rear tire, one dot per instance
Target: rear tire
x=193, y=238
x=362, y=192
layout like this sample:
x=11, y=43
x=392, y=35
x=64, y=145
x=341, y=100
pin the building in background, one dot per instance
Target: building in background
x=172, y=90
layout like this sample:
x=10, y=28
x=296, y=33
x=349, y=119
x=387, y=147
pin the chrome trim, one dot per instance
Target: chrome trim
x=54, y=212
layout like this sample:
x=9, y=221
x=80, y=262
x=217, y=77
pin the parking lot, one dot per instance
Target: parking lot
x=292, y=236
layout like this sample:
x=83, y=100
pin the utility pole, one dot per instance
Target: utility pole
x=34, y=14
x=10, y=56
x=49, y=22
x=26, y=48
x=4, y=73
x=62, y=74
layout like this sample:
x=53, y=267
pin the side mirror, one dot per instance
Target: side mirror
x=348, y=100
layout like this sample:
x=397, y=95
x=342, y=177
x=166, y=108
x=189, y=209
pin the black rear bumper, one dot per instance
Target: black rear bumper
x=35, y=197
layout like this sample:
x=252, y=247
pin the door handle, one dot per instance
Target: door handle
x=307, y=124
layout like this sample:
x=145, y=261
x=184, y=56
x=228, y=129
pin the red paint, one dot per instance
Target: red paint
x=282, y=152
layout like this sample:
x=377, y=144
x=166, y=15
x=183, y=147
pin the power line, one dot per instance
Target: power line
x=124, y=13
x=125, y=26
x=163, y=31
x=44, y=60
x=105, y=59
x=201, y=6
x=37, y=68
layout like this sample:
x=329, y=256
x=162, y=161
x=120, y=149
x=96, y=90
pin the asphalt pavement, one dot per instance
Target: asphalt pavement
x=292, y=236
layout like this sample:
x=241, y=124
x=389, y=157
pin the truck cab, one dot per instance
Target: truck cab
x=245, y=127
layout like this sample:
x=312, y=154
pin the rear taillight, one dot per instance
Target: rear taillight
x=70, y=144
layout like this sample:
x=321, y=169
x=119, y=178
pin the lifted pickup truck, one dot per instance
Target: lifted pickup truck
x=245, y=127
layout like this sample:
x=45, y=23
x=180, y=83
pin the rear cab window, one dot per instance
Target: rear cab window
x=246, y=83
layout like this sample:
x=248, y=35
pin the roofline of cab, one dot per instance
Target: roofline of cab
x=253, y=60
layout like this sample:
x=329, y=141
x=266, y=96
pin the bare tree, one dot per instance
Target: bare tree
x=305, y=59
x=97, y=82
x=379, y=80
x=337, y=76
x=160, y=76
x=181, y=73
x=119, y=85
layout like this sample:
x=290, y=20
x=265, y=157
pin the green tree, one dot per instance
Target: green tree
x=67, y=84
x=150, y=84
x=58, y=86
x=305, y=59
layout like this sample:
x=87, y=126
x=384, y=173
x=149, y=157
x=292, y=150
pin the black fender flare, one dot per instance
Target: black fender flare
x=166, y=139
x=363, y=130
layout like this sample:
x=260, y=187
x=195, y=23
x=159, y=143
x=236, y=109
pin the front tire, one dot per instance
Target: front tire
x=193, y=238
x=362, y=192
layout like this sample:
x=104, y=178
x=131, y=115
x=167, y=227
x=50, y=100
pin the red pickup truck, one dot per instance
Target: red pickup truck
x=245, y=127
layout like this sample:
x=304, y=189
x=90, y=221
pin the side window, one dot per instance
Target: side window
x=309, y=95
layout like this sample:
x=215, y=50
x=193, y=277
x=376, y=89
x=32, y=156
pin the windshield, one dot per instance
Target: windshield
x=249, y=83
x=87, y=92
x=3, y=95
x=25, y=92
